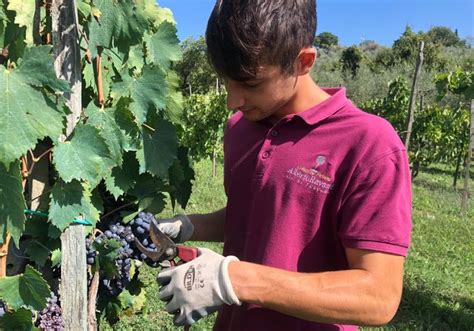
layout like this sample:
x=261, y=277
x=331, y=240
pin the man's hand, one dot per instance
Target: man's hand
x=197, y=288
x=178, y=228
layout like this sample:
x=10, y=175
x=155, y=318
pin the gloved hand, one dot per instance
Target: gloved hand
x=178, y=228
x=197, y=288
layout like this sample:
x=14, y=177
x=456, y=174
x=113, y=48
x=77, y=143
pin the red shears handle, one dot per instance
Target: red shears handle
x=186, y=253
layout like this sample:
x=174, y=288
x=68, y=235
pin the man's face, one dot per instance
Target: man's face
x=268, y=95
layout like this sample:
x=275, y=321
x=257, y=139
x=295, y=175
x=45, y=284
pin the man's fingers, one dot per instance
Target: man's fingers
x=164, y=277
x=172, y=307
x=166, y=293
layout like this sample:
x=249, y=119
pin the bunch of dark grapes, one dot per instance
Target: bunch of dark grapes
x=50, y=318
x=141, y=230
x=123, y=234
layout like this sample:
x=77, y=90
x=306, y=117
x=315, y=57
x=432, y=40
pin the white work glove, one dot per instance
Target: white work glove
x=178, y=228
x=197, y=288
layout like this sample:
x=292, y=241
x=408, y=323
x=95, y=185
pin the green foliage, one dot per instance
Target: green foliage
x=107, y=252
x=444, y=36
x=28, y=113
x=351, y=59
x=326, y=40
x=385, y=58
x=25, y=11
x=17, y=320
x=12, y=203
x=197, y=76
x=206, y=115
x=394, y=106
x=70, y=201
x=26, y=290
x=457, y=82
x=406, y=48
x=123, y=152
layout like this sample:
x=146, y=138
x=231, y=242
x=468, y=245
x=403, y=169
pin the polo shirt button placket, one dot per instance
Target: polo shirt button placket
x=266, y=155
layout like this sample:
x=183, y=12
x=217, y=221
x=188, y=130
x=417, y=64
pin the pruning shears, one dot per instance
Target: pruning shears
x=166, y=249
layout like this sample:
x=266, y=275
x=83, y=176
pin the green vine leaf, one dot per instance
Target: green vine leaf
x=38, y=252
x=12, y=203
x=181, y=175
x=163, y=46
x=175, y=101
x=26, y=114
x=154, y=14
x=20, y=319
x=107, y=252
x=28, y=289
x=159, y=150
x=3, y=15
x=103, y=119
x=148, y=92
x=69, y=201
x=85, y=157
x=123, y=178
x=148, y=192
x=37, y=69
x=119, y=22
x=25, y=11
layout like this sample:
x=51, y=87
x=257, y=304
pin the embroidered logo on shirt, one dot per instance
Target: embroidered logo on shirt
x=316, y=178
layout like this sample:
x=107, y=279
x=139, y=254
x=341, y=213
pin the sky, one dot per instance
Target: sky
x=353, y=21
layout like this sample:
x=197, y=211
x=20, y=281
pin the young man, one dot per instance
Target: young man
x=318, y=217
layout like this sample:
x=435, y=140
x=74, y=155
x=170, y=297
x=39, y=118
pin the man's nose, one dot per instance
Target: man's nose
x=235, y=98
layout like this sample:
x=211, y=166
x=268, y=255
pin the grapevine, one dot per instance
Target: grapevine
x=121, y=160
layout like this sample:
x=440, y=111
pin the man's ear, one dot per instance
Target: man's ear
x=306, y=60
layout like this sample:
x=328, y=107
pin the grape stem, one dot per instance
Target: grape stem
x=99, y=80
x=119, y=208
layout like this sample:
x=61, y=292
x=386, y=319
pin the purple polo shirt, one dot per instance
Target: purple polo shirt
x=302, y=190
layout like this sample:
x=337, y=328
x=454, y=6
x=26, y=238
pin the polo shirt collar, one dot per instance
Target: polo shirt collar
x=328, y=107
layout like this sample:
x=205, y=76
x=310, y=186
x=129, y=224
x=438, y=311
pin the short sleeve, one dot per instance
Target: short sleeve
x=376, y=209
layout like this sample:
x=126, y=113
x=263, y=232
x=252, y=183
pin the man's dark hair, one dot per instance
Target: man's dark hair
x=242, y=35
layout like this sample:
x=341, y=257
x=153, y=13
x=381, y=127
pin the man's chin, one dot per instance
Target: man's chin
x=253, y=116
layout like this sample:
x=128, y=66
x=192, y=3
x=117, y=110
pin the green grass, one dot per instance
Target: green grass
x=439, y=277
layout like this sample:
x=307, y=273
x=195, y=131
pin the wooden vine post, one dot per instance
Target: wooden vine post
x=465, y=194
x=411, y=107
x=73, y=286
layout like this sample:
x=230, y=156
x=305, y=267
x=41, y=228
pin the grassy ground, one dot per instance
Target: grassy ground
x=439, y=277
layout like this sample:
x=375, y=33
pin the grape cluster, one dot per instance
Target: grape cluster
x=125, y=234
x=50, y=318
x=141, y=230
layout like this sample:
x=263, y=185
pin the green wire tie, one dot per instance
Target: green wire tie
x=75, y=221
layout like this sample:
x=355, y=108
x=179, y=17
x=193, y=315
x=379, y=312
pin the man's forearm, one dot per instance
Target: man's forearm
x=344, y=297
x=208, y=227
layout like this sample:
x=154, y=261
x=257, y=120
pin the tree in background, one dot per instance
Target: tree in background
x=445, y=36
x=326, y=40
x=351, y=59
x=197, y=76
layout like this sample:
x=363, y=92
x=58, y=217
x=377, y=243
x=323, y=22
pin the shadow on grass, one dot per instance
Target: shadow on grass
x=433, y=186
x=426, y=310
x=446, y=172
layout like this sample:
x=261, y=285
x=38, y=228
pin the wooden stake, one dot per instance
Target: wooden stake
x=465, y=195
x=411, y=107
x=73, y=286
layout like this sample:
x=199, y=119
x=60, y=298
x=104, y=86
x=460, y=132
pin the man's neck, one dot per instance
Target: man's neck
x=307, y=94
